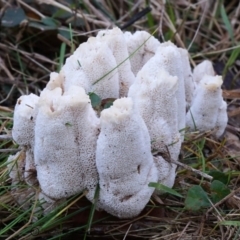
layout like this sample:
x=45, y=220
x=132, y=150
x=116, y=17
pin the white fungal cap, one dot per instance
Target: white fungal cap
x=24, y=119
x=154, y=94
x=124, y=161
x=188, y=77
x=56, y=80
x=73, y=73
x=203, y=68
x=222, y=120
x=143, y=45
x=203, y=113
x=100, y=67
x=116, y=42
x=168, y=57
x=66, y=130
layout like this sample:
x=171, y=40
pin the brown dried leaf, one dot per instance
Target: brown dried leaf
x=234, y=112
x=233, y=202
x=232, y=145
x=231, y=94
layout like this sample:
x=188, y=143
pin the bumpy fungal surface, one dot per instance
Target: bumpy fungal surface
x=141, y=46
x=70, y=147
x=64, y=152
x=203, y=68
x=159, y=113
x=208, y=110
x=124, y=143
x=93, y=67
x=222, y=120
x=24, y=119
x=116, y=42
x=188, y=77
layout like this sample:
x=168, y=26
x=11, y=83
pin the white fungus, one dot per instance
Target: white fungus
x=141, y=46
x=154, y=94
x=24, y=119
x=206, y=105
x=67, y=148
x=124, y=160
x=67, y=130
x=56, y=80
x=116, y=42
x=222, y=120
x=169, y=58
x=94, y=68
x=203, y=68
x=188, y=77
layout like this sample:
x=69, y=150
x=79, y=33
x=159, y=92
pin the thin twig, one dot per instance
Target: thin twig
x=67, y=9
x=184, y=230
x=4, y=68
x=31, y=8
x=5, y=137
x=127, y=232
x=9, y=150
x=199, y=25
x=9, y=94
x=202, y=174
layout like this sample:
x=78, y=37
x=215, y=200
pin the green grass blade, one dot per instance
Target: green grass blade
x=226, y=21
x=71, y=38
x=93, y=207
x=125, y=59
x=232, y=59
x=164, y=188
x=17, y=220
x=230, y=223
x=62, y=56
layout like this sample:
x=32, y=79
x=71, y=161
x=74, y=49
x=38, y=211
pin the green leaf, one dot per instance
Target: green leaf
x=60, y=13
x=12, y=17
x=150, y=19
x=218, y=191
x=108, y=102
x=41, y=26
x=220, y=176
x=50, y=22
x=107, y=105
x=65, y=33
x=77, y=22
x=95, y=100
x=196, y=199
x=171, y=11
x=166, y=189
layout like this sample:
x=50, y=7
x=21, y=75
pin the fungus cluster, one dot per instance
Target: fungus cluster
x=72, y=147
